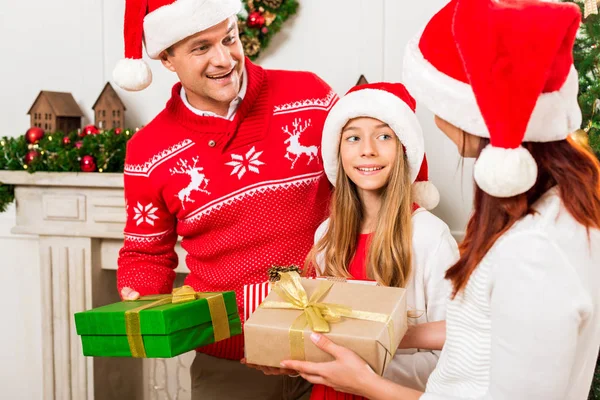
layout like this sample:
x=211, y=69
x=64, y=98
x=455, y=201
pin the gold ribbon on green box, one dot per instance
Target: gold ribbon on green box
x=315, y=314
x=216, y=307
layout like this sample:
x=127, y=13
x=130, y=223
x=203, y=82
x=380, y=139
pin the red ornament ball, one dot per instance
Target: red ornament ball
x=34, y=135
x=88, y=164
x=89, y=130
x=30, y=156
x=264, y=30
x=66, y=141
x=255, y=20
x=78, y=144
x=118, y=131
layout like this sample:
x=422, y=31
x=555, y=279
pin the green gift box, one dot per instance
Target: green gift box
x=160, y=326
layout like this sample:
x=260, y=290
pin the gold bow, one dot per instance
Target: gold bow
x=317, y=315
x=216, y=307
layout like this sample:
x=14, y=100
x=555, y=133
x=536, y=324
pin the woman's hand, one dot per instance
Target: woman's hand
x=348, y=373
x=270, y=370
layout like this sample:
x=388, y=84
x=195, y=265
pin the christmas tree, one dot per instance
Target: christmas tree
x=586, y=55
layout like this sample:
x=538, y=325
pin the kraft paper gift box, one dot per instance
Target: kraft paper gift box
x=160, y=326
x=371, y=321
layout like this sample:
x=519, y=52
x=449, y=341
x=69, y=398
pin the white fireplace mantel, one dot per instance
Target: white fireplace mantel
x=79, y=220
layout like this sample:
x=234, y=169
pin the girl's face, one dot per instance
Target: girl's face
x=466, y=143
x=368, y=150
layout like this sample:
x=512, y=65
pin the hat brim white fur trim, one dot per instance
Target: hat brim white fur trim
x=132, y=74
x=505, y=172
x=169, y=24
x=381, y=105
x=555, y=115
x=425, y=194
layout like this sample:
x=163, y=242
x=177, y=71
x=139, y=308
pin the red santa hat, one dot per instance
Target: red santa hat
x=503, y=70
x=390, y=103
x=159, y=24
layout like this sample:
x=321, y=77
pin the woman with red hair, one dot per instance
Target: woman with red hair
x=523, y=321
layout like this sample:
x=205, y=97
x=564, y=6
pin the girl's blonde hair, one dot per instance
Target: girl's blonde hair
x=390, y=247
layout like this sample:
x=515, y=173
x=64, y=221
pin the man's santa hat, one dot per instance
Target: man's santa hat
x=503, y=70
x=392, y=104
x=159, y=24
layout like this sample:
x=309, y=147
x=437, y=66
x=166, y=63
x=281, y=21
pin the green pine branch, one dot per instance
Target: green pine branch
x=586, y=56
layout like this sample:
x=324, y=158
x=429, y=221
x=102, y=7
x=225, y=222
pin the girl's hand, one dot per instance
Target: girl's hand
x=348, y=373
x=270, y=370
x=430, y=336
x=129, y=294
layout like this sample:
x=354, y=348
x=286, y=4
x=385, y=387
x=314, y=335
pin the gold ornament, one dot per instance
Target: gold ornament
x=251, y=45
x=580, y=137
x=269, y=17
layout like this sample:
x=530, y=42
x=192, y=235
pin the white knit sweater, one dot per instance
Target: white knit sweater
x=527, y=325
x=434, y=251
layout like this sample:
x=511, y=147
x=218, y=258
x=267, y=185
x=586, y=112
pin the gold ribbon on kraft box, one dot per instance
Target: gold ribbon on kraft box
x=315, y=314
x=216, y=307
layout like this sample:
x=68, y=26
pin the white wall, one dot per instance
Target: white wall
x=72, y=45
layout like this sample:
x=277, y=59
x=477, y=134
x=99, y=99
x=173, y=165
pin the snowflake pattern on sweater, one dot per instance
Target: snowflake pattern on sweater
x=228, y=189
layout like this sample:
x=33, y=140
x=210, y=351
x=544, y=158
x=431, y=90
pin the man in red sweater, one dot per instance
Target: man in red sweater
x=232, y=165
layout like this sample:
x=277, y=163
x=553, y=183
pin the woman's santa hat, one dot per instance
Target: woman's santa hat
x=159, y=24
x=503, y=70
x=392, y=104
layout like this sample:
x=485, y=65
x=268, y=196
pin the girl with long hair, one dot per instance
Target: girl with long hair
x=524, y=319
x=379, y=228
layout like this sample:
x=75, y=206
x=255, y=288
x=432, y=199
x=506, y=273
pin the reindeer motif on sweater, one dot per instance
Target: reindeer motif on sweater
x=295, y=148
x=198, y=180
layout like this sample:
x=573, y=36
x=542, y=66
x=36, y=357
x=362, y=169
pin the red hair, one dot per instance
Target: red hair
x=565, y=164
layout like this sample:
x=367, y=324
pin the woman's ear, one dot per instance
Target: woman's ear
x=466, y=143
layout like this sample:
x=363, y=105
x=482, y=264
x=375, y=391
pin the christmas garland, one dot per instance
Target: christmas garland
x=261, y=20
x=86, y=150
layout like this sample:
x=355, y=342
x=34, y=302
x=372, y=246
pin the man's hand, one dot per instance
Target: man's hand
x=271, y=370
x=129, y=294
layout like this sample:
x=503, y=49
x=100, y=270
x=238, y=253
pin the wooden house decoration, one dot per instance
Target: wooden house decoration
x=362, y=80
x=55, y=111
x=109, y=110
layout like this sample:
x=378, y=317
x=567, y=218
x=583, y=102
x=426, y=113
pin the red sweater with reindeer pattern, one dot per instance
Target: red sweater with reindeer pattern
x=243, y=195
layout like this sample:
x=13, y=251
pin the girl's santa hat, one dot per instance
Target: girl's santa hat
x=159, y=24
x=392, y=104
x=503, y=70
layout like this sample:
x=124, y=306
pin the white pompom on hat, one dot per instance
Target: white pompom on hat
x=503, y=70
